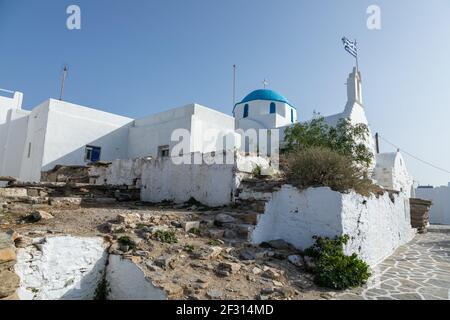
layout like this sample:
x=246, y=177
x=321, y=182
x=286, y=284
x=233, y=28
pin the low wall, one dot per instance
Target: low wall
x=162, y=180
x=376, y=226
x=440, y=209
x=119, y=172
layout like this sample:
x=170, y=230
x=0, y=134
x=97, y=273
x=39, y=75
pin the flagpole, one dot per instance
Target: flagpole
x=357, y=65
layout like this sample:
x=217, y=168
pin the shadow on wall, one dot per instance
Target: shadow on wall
x=87, y=287
x=114, y=145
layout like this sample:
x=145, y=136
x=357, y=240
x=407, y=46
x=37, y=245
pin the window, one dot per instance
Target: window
x=273, y=107
x=163, y=151
x=246, y=111
x=29, y=149
x=92, y=154
x=292, y=115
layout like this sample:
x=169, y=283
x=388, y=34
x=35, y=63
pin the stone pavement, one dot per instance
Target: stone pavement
x=419, y=270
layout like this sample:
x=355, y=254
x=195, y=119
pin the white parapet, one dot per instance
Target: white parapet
x=376, y=225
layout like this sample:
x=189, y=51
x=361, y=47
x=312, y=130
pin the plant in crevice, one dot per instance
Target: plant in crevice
x=332, y=268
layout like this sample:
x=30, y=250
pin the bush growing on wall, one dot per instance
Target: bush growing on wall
x=345, y=138
x=321, y=166
x=332, y=268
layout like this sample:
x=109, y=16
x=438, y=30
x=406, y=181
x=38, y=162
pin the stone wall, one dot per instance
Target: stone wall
x=9, y=281
x=376, y=226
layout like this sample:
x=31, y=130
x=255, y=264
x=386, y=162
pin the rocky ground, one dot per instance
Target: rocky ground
x=190, y=251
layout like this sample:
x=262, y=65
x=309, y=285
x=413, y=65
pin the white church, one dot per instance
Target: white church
x=60, y=133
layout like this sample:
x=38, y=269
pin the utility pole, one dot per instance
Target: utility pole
x=63, y=80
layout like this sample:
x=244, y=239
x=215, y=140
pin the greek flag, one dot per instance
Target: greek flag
x=350, y=46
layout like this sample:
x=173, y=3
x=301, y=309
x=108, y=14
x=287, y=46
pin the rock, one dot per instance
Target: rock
x=223, y=219
x=9, y=282
x=150, y=266
x=207, y=253
x=214, y=294
x=23, y=241
x=296, y=260
x=189, y=225
x=267, y=291
x=7, y=256
x=272, y=273
x=216, y=233
x=277, y=283
x=279, y=244
x=247, y=255
x=142, y=253
x=230, y=234
x=256, y=271
x=172, y=290
x=198, y=286
x=228, y=268
x=132, y=218
x=14, y=297
x=309, y=262
x=176, y=224
x=285, y=292
x=38, y=216
x=166, y=261
x=66, y=202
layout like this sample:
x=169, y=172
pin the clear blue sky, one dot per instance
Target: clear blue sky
x=139, y=57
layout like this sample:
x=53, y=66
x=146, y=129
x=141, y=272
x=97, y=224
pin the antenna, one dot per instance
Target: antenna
x=63, y=80
x=234, y=85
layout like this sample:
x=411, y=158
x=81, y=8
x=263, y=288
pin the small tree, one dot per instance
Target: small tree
x=345, y=138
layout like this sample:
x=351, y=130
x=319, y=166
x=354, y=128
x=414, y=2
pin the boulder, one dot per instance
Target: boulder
x=39, y=215
x=296, y=260
x=189, y=225
x=9, y=282
x=223, y=219
x=228, y=268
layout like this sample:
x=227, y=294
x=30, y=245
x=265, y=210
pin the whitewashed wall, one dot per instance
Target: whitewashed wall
x=377, y=226
x=390, y=172
x=56, y=273
x=440, y=209
x=211, y=184
x=149, y=133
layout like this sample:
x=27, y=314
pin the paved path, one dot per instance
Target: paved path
x=419, y=270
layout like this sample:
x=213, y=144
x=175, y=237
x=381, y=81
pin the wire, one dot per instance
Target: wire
x=413, y=156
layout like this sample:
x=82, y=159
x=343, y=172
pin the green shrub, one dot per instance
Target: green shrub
x=195, y=231
x=189, y=248
x=332, y=268
x=256, y=172
x=127, y=241
x=344, y=138
x=323, y=167
x=166, y=236
x=215, y=242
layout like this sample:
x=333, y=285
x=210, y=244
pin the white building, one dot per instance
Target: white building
x=440, y=196
x=391, y=173
x=57, y=132
x=264, y=109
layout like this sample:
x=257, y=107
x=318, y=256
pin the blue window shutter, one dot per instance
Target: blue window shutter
x=95, y=155
x=273, y=107
x=246, y=111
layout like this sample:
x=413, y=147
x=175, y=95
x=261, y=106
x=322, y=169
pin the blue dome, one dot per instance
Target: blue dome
x=265, y=94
